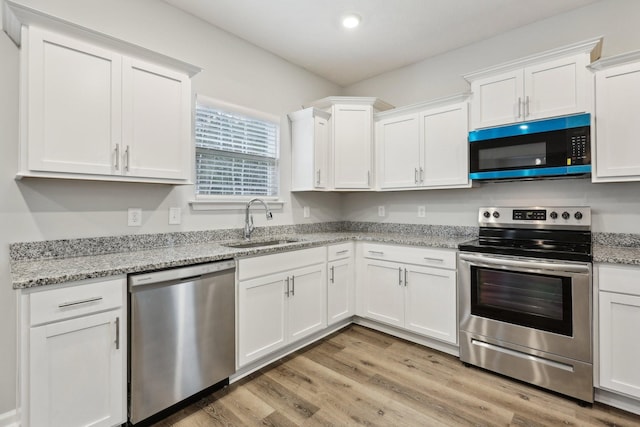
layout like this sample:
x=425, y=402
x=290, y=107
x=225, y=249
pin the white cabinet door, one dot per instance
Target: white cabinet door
x=430, y=303
x=445, y=147
x=383, y=293
x=73, y=105
x=617, y=152
x=307, y=301
x=352, y=146
x=497, y=100
x=340, y=290
x=556, y=88
x=76, y=372
x=619, y=343
x=399, y=152
x=156, y=121
x=261, y=316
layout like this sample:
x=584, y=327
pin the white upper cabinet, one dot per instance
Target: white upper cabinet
x=616, y=156
x=310, y=145
x=423, y=146
x=349, y=153
x=73, y=105
x=398, y=140
x=553, y=83
x=94, y=110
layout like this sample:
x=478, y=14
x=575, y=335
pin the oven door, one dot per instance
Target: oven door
x=533, y=303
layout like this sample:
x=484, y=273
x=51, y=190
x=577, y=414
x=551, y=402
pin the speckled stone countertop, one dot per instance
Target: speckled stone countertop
x=46, y=263
x=616, y=248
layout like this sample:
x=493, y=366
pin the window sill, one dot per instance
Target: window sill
x=232, y=205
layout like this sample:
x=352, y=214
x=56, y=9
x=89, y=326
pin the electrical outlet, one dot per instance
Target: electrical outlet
x=134, y=217
x=174, y=216
x=306, y=212
x=422, y=211
x=380, y=210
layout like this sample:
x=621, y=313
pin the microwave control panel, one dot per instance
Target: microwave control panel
x=579, y=152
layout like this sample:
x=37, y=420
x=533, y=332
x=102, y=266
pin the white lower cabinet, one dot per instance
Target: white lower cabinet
x=340, y=283
x=410, y=288
x=619, y=314
x=281, y=299
x=74, y=343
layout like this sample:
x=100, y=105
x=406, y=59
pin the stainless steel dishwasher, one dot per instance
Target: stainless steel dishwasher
x=182, y=334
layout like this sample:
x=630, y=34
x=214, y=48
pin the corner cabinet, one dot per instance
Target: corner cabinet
x=281, y=299
x=340, y=282
x=410, y=288
x=74, y=354
x=423, y=146
x=93, y=111
x=616, y=157
x=549, y=84
x=349, y=151
x=619, y=315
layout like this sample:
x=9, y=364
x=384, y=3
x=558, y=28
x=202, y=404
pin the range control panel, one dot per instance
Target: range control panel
x=574, y=217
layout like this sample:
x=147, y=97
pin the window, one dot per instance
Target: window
x=236, y=151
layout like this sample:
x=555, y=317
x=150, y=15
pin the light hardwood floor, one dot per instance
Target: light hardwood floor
x=358, y=376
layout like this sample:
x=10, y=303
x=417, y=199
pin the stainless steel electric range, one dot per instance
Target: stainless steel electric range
x=525, y=289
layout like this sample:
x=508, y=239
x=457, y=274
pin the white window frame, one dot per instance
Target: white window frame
x=222, y=202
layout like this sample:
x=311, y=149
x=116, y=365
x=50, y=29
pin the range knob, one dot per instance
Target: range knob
x=496, y=215
x=486, y=214
x=578, y=215
x=553, y=215
x=565, y=215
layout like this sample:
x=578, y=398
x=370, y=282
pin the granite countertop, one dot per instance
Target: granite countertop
x=32, y=272
x=616, y=254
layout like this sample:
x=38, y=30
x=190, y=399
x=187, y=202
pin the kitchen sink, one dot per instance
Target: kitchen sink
x=258, y=244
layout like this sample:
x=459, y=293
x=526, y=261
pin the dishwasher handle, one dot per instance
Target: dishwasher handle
x=179, y=274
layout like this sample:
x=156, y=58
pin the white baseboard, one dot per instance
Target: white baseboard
x=617, y=401
x=10, y=419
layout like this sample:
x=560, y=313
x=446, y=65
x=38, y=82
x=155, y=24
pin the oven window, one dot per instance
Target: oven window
x=533, y=300
x=513, y=156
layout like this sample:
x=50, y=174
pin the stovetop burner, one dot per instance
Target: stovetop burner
x=561, y=233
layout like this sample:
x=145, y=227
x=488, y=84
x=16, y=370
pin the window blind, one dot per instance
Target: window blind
x=236, y=155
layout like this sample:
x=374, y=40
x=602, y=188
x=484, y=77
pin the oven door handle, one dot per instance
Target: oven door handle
x=500, y=262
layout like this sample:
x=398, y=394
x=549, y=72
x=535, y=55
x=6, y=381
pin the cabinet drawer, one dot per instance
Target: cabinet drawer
x=442, y=258
x=275, y=263
x=70, y=301
x=339, y=251
x=619, y=278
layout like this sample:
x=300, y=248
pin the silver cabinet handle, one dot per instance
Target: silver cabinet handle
x=318, y=177
x=369, y=178
x=405, y=278
x=287, y=291
x=399, y=276
x=376, y=252
x=415, y=175
x=117, y=150
x=332, y=274
x=293, y=285
x=82, y=301
x=526, y=107
x=126, y=157
x=433, y=259
x=519, y=107
x=117, y=333
x=421, y=175
x=342, y=252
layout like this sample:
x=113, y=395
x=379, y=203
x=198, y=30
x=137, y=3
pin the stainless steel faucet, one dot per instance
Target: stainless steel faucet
x=248, y=218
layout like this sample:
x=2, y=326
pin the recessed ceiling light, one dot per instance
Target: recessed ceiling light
x=351, y=20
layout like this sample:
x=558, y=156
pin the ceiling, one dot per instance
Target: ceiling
x=393, y=33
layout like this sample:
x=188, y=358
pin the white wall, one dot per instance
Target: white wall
x=234, y=71
x=616, y=207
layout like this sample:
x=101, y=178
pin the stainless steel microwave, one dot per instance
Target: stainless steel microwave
x=554, y=147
